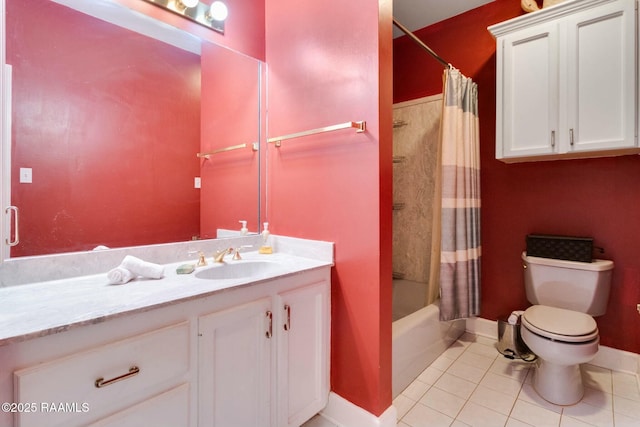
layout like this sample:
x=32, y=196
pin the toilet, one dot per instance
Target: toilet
x=559, y=328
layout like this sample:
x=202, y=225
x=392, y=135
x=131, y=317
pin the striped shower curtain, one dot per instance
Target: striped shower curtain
x=460, y=184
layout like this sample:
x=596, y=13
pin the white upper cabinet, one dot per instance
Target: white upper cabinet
x=566, y=82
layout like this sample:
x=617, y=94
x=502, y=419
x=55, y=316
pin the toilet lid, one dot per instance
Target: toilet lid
x=560, y=324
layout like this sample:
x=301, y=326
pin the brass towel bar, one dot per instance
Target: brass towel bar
x=207, y=155
x=359, y=126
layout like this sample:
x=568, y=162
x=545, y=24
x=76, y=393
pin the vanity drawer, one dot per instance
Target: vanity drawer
x=170, y=409
x=95, y=383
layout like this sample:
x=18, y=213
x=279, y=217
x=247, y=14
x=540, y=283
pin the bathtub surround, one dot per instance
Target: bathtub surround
x=415, y=150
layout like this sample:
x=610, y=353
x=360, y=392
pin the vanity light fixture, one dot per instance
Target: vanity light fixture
x=218, y=11
x=210, y=16
x=183, y=4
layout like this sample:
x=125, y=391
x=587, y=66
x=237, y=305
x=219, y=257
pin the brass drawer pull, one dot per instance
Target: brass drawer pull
x=133, y=371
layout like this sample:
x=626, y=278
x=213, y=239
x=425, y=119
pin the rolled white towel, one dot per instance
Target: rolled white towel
x=515, y=317
x=142, y=268
x=119, y=276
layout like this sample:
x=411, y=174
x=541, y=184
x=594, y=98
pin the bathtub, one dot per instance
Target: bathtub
x=417, y=340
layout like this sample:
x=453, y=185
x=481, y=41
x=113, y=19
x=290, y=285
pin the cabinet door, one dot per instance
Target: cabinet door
x=528, y=93
x=303, y=353
x=234, y=360
x=601, y=82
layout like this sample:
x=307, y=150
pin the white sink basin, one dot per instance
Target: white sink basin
x=238, y=270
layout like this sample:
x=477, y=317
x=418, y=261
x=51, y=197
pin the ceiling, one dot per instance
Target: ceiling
x=416, y=14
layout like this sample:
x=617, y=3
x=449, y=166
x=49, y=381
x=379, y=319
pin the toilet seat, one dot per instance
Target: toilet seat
x=559, y=324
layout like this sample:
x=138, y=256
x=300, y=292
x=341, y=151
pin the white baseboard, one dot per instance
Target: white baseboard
x=483, y=327
x=607, y=357
x=343, y=413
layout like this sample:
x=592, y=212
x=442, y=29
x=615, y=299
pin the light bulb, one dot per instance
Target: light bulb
x=189, y=3
x=218, y=11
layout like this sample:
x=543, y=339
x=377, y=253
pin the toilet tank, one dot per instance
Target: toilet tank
x=578, y=286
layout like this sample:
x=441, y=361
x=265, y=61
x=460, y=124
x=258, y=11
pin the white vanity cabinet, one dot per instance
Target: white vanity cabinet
x=121, y=383
x=253, y=355
x=182, y=351
x=566, y=82
x=266, y=362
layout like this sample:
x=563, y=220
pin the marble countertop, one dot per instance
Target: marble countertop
x=44, y=308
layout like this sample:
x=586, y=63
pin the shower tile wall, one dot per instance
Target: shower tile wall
x=414, y=151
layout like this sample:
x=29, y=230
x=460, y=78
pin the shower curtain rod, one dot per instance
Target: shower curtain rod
x=420, y=42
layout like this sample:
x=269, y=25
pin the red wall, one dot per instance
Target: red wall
x=595, y=197
x=106, y=168
x=230, y=115
x=330, y=63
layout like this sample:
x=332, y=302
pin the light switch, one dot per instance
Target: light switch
x=196, y=182
x=25, y=176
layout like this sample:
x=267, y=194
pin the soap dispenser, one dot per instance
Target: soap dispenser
x=244, y=230
x=266, y=247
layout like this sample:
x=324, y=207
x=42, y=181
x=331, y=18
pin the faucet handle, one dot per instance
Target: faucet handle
x=201, y=259
x=236, y=255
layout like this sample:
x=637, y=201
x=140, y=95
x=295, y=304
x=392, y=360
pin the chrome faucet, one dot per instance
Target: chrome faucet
x=219, y=255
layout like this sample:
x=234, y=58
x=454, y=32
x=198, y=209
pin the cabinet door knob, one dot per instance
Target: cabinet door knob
x=553, y=138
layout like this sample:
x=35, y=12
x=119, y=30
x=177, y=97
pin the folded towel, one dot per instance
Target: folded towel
x=119, y=276
x=142, y=268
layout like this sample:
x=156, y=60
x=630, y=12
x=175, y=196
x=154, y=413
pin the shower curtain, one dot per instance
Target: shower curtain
x=460, y=248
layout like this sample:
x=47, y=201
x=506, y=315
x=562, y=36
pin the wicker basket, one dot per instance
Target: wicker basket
x=560, y=247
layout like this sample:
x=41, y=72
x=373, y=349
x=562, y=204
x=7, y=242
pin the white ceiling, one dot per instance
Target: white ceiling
x=416, y=14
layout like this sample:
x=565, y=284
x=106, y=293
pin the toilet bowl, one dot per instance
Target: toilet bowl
x=562, y=340
x=559, y=328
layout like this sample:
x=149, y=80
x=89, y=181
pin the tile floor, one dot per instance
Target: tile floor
x=471, y=384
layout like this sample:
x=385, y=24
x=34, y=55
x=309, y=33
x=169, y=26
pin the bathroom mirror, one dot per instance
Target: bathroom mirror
x=106, y=126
